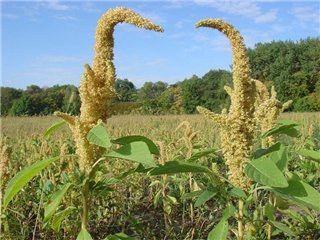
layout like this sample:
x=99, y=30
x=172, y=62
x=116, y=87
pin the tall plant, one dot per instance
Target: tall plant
x=92, y=141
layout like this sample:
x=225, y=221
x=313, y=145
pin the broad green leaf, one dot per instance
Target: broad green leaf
x=220, y=231
x=205, y=196
x=136, y=138
x=265, y=172
x=119, y=236
x=287, y=127
x=228, y=212
x=98, y=136
x=300, y=192
x=53, y=128
x=22, y=178
x=201, y=154
x=59, y=217
x=191, y=194
x=264, y=151
x=55, y=200
x=280, y=157
x=313, y=155
x=173, y=167
x=136, y=152
x=84, y=235
x=237, y=192
x=284, y=228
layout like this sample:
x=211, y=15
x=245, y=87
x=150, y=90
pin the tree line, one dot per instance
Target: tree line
x=292, y=67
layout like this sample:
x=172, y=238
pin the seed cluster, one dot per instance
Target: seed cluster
x=96, y=87
x=237, y=124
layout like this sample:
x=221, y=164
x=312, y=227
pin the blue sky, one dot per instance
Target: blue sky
x=48, y=42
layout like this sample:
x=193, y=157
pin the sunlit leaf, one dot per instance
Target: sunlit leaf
x=265, y=172
x=55, y=200
x=22, y=178
x=220, y=231
x=136, y=138
x=84, y=235
x=172, y=167
x=301, y=192
x=205, y=196
x=135, y=152
x=311, y=154
x=53, y=128
x=98, y=135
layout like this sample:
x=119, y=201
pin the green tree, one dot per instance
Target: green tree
x=126, y=91
x=8, y=96
x=148, y=96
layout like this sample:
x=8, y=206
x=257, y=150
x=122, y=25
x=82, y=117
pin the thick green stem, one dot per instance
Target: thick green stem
x=85, y=206
x=240, y=221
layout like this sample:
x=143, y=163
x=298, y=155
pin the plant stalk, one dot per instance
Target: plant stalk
x=85, y=205
x=240, y=221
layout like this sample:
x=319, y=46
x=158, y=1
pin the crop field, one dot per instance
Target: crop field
x=144, y=207
x=239, y=168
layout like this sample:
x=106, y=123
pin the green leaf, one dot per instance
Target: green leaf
x=313, y=155
x=84, y=235
x=98, y=136
x=228, y=212
x=287, y=127
x=156, y=198
x=220, y=231
x=237, y=192
x=54, y=202
x=135, y=152
x=173, y=167
x=136, y=138
x=53, y=128
x=191, y=194
x=300, y=192
x=201, y=154
x=262, y=151
x=265, y=172
x=269, y=211
x=205, y=196
x=59, y=217
x=22, y=178
x=284, y=228
x=280, y=157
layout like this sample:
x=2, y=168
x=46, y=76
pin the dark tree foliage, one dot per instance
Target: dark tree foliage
x=41, y=101
x=206, y=91
x=292, y=67
x=126, y=91
x=8, y=96
x=148, y=96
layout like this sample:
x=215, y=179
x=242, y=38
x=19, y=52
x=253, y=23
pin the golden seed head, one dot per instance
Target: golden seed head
x=237, y=124
x=96, y=87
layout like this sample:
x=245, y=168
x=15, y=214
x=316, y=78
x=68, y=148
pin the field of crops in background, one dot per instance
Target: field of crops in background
x=133, y=205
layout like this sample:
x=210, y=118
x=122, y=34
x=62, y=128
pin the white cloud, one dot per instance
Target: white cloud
x=64, y=17
x=306, y=13
x=241, y=8
x=56, y=5
x=270, y=16
x=9, y=16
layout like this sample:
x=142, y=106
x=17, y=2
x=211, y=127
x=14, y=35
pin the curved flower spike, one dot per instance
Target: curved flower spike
x=237, y=126
x=96, y=89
